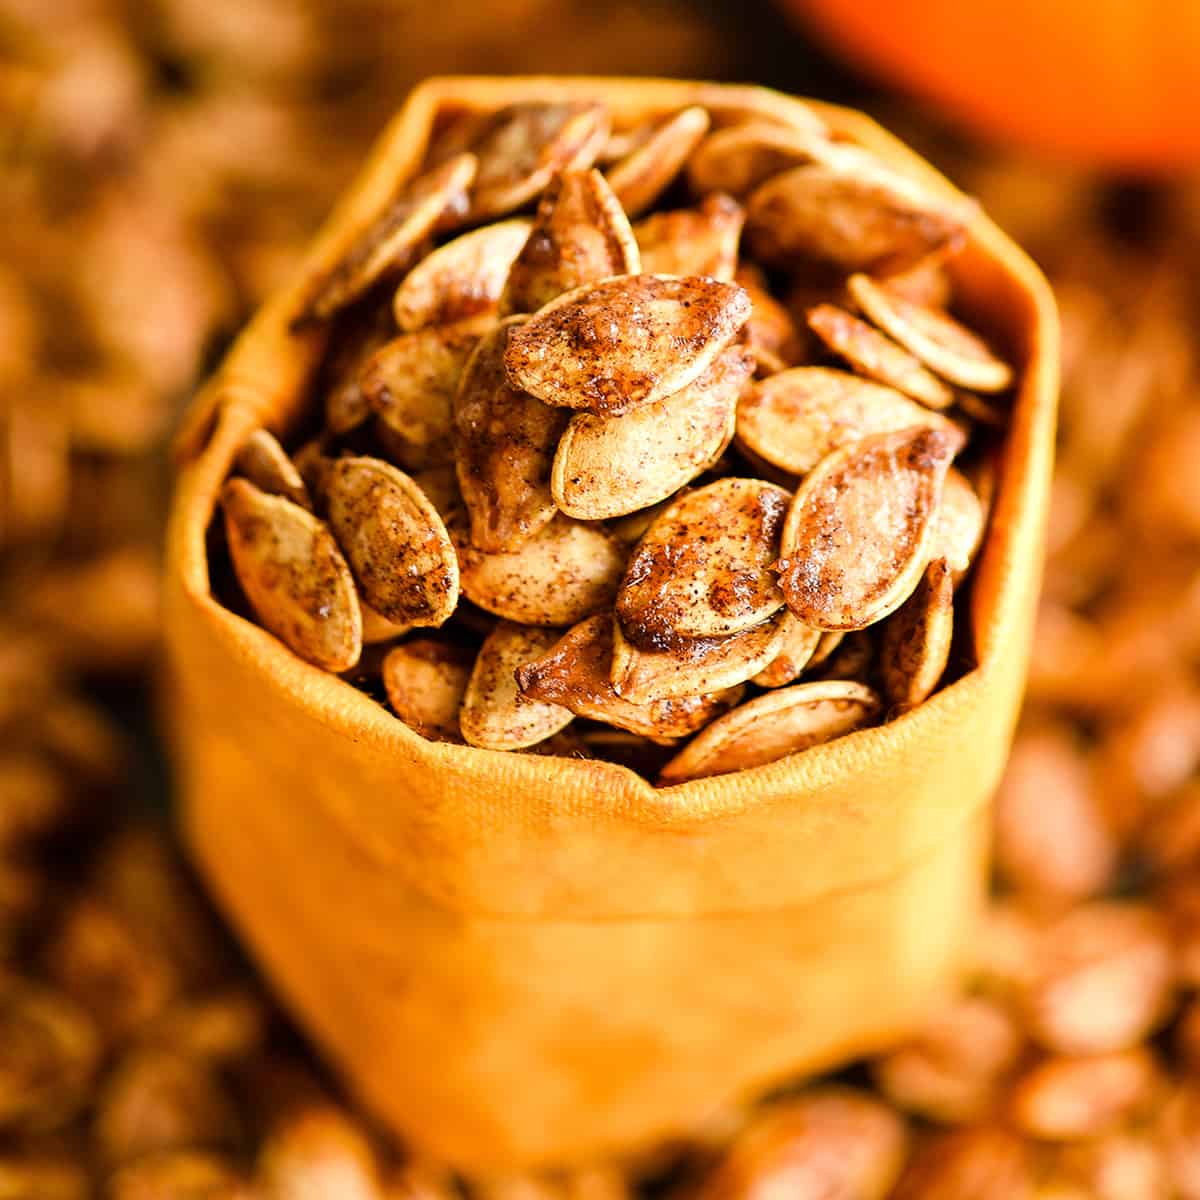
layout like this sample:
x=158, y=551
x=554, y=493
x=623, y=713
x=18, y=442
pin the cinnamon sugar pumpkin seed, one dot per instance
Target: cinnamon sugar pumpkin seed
x=426, y=679
x=294, y=575
x=773, y=726
x=915, y=646
x=611, y=466
x=693, y=241
x=504, y=441
x=388, y=242
x=858, y=533
x=495, y=714
x=876, y=356
x=943, y=344
x=410, y=382
x=650, y=168
x=608, y=347
x=770, y=332
x=394, y=540
x=581, y=234
x=521, y=147
x=463, y=278
x=703, y=568
x=739, y=158
x=264, y=462
x=960, y=525
x=563, y=573
x=850, y=212
x=796, y=649
x=576, y=672
x=695, y=667
x=794, y=419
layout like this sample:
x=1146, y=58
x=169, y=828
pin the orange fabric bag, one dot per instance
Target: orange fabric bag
x=515, y=959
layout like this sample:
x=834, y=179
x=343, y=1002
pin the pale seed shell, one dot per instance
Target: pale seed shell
x=796, y=650
x=610, y=346
x=773, y=726
x=410, y=383
x=858, y=533
x=703, y=569
x=944, y=345
x=876, y=356
x=693, y=241
x=294, y=575
x=265, y=463
x=395, y=541
x=580, y=235
x=523, y=146
x=693, y=668
x=960, y=525
x=794, y=419
x=565, y=572
x=388, y=242
x=377, y=628
x=577, y=674
x=504, y=441
x=495, y=715
x=739, y=158
x=463, y=278
x=426, y=679
x=851, y=212
x=915, y=647
x=649, y=169
x=611, y=466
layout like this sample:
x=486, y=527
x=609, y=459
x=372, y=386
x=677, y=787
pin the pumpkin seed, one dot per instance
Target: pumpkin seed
x=943, y=344
x=523, y=146
x=739, y=158
x=394, y=540
x=580, y=235
x=876, y=356
x=563, y=573
x=693, y=241
x=377, y=628
x=504, y=441
x=703, y=568
x=960, y=523
x=826, y=647
x=649, y=169
x=850, y=212
x=495, y=715
x=610, y=466
x=916, y=639
x=770, y=333
x=608, y=347
x=852, y=658
x=356, y=335
x=265, y=463
x=463, y=278
x=696, y=667
x=576, y=672
x=410, y=383
x=773, y=726
x=294, y=575
x=388, y=242
x=796, y=650
x=858, y=533
x=795, y=418
x=426, y=679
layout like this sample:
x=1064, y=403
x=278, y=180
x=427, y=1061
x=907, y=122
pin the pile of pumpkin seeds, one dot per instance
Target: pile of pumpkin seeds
x=656, y=444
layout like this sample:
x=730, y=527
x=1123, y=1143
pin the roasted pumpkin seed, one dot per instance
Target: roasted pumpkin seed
x=703, y=568
x=693, y=241
x=960, y=523
x=264, y=462
x=426, y=679
x=294, y=575
x=495, y=714
x=394, y=539
x=610, y=466
x=773, y=726
x=651, y=166
x=463, y=278
x=581, y=234
x=858, y=533
x=796, y=650
x=740, y=157
x=915, y=645
x=576, y=672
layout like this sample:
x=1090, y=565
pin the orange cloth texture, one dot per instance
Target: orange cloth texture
x=516, y=959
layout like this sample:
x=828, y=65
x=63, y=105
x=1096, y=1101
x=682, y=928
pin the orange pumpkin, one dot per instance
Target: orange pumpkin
x=1104, y=82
